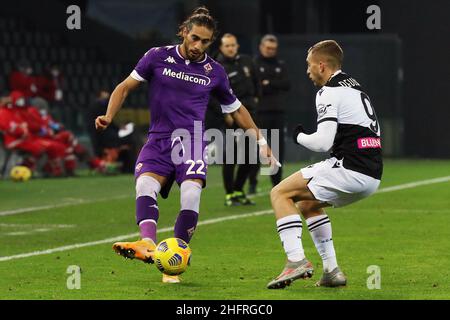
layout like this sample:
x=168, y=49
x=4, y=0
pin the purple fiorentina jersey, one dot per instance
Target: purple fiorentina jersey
x=179, y=89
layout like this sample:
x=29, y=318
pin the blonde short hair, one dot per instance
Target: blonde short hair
x=331, y=50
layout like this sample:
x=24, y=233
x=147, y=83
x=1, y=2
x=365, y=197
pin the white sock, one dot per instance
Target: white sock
x=320, y=229
x=290, y=230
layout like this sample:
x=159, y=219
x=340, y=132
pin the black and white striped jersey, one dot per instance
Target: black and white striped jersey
x=357, y=140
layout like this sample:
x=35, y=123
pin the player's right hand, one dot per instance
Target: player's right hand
x=102, y=122
x=274, y=165
x=266, y=153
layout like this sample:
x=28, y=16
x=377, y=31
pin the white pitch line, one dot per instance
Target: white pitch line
x=414, y=184
x=60, y=205
x=128, y=236
x=18, y=225
x=210, y=221
x=71, y=203
x=74, y=202
x=32, y=228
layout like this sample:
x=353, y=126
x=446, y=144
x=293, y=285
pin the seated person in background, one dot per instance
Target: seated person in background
x=56, y=131
x=41, y=124
x=112, y=145
x=22, y=80
x=18, y=135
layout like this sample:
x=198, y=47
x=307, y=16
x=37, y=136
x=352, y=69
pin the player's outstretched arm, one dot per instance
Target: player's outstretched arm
x=245, y=121
x=116, y=101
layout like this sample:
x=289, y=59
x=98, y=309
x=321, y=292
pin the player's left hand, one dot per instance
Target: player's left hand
x=298, y=129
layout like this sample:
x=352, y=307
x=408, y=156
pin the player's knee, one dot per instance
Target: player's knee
x=276, y=193
x=190, y=195
x=147, y=186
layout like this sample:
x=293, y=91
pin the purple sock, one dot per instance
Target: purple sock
x=148, y=229
x=147, y=209
x=185, y=225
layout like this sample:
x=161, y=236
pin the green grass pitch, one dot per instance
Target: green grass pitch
x=406, y=233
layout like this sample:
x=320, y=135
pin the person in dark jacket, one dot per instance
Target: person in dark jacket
x=242, y=75
x=274, y=82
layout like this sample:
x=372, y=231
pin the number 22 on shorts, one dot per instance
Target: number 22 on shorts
x=191, y=167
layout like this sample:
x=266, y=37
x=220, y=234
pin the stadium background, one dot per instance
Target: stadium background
x=403, y=65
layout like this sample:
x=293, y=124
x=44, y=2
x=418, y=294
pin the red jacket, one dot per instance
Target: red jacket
x=36, y=124
x=14, y=128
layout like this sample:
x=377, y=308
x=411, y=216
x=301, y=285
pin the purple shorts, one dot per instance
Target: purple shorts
x=178, y=160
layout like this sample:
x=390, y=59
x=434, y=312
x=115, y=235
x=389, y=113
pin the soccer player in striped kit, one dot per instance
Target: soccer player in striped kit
x=347, y=125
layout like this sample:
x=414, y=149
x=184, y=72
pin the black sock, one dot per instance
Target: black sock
x=241, y=176
x=228, y=177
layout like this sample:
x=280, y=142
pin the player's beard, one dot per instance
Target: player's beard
x=313, y=80
x=195, y=55
x=316, y=80
x=190, y=55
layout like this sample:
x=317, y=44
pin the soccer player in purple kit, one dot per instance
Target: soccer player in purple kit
x=180, y=80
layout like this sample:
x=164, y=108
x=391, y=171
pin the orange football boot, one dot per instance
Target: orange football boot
x=142, y=250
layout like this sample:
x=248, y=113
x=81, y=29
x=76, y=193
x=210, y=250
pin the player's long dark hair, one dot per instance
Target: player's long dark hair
x=199, y=17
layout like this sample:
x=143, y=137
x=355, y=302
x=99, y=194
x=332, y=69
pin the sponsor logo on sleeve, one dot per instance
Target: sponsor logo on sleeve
x=322, y=109
x=369, y=143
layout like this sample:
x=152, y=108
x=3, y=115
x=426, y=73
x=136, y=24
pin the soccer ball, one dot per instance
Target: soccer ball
x=20, y=173
x=172, y=256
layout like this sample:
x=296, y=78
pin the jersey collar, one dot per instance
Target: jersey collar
x=332, y=76
x=336, y=73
